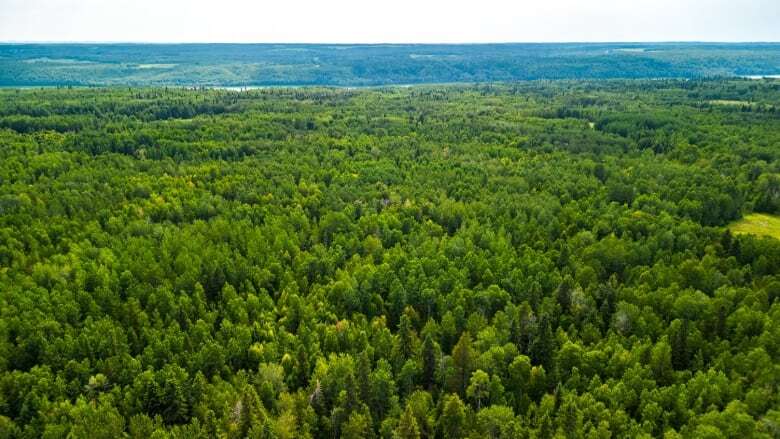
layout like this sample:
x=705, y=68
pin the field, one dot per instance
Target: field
x=758, y=224
x=541, y=259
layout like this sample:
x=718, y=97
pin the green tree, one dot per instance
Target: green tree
x=429, y=360
x=479, y=388
x=463, y=359
x=407, y=426
x=452, y=420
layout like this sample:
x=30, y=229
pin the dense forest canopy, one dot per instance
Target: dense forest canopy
x=382, y=64
x=531, y=259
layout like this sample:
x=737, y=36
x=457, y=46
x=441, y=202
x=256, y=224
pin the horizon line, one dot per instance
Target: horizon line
x=464, y=43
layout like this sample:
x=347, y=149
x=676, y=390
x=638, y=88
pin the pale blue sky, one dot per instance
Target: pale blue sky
x=365, y=21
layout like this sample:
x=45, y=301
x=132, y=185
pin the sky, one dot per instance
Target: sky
x=383, y=21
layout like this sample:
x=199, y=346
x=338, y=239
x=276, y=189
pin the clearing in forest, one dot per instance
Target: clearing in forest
x=758, y=224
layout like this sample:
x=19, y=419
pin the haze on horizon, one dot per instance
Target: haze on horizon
x=401, y=21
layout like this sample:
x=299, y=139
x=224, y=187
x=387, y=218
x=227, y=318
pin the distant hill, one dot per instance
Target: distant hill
x=367, y=65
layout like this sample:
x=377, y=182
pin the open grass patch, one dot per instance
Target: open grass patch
x=758, y=224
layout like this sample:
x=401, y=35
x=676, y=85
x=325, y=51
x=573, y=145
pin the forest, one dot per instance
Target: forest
x=532, y=259
x=240, y=65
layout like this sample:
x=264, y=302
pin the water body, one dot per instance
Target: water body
x=242, y=88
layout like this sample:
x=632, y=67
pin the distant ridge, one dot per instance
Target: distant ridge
x=228, y=64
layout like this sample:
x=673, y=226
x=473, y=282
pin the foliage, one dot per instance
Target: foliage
x=508, y=260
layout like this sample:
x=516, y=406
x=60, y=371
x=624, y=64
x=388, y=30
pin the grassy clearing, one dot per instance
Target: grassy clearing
x=758, y=224
x=730, y=102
